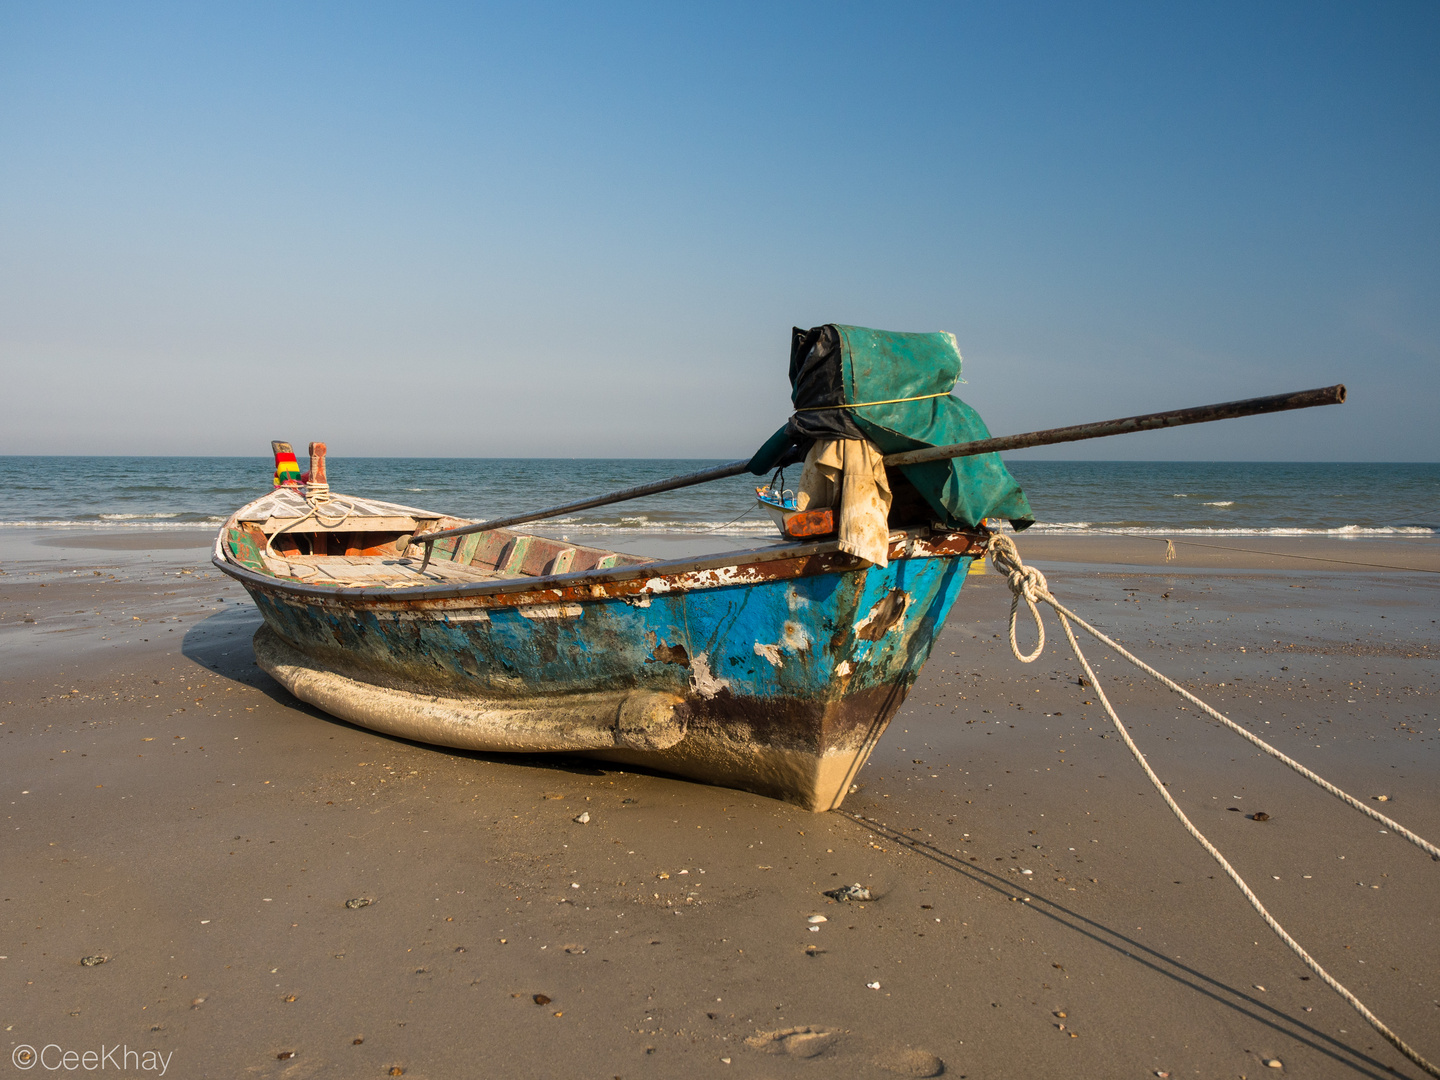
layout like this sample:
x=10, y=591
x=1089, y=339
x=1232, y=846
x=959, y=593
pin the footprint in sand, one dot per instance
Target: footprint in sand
x=911, y=1062
x=801, y=1042
x=809, y=1042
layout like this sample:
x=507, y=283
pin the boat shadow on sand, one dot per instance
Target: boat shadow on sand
x=222, y=643
x=1232, y=998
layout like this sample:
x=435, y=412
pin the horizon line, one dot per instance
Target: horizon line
x=531, y=457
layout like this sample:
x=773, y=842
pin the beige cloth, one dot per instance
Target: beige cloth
x=850, y=473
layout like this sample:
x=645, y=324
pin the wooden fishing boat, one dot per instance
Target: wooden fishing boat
x=774, y=669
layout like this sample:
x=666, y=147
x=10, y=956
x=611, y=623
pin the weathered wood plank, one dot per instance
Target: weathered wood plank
x=360, y=570
x=515, y=558
x=465, y=554
x=354, y=524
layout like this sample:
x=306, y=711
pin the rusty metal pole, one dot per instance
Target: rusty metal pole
x=1201, y=414
x=1304, y=399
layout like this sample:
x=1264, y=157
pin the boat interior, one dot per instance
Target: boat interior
x=305, y=534
x=349, y=541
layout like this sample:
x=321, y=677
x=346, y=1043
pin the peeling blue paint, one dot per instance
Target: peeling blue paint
x=816, y=625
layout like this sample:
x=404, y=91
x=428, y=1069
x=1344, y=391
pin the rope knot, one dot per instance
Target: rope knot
x=1029, y=583
x=1026, y=583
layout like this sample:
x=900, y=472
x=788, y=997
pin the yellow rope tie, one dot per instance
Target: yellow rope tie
x=863, y=404
x=1029, y=584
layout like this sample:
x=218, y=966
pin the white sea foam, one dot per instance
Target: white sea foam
x=1228, y=502
x=747, y=527
x=136, y=517
x=93, y=526
x=762, y=527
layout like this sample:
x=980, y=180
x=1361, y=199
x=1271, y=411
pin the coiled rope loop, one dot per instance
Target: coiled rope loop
x=1028, y=583
x=317, y=495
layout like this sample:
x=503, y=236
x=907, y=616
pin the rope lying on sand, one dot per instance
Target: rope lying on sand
x=1029, y=584
x=1170, y=555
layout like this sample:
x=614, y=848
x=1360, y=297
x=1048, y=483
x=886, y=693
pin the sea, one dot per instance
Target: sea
x=1338, y=499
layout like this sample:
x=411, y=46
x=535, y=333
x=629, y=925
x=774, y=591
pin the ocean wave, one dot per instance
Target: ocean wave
x=199, y=523
x=627, y=524
x=1228, y=502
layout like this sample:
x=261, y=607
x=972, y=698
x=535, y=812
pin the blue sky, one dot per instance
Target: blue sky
x=585, y=230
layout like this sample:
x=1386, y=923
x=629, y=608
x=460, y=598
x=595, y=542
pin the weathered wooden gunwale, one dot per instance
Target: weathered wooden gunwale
x=814, y=558
x=616, y=581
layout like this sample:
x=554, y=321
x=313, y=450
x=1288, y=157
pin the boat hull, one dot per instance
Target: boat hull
x=775, y=672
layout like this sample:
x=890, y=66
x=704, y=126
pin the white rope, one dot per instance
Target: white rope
x=1034, y=587
x=317, y=495
x=1029, y=583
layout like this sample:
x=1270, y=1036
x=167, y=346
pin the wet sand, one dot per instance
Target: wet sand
x=173, y=811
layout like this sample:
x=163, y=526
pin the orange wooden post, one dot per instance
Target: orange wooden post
x=317, y=464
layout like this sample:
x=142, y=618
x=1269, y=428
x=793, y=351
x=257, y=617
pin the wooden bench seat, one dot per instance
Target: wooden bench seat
x=373, y=570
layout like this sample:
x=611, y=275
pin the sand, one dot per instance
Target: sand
x=171, y=810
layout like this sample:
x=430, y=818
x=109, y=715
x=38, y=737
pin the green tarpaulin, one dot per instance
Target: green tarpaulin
x=895, y=390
